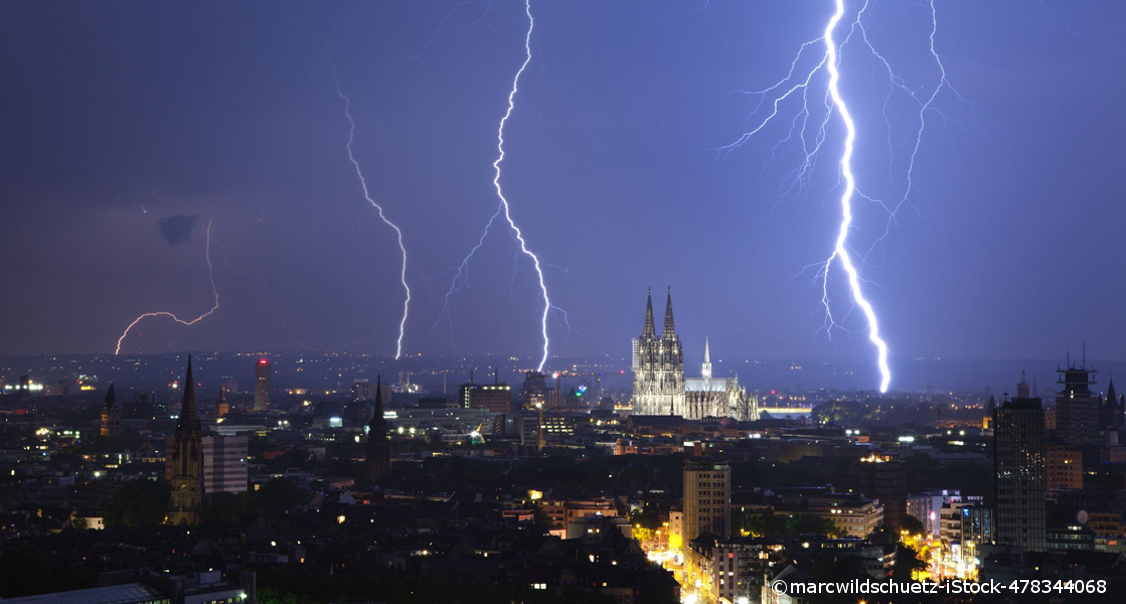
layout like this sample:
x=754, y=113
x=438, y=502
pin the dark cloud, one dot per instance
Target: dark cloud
x=177, y=228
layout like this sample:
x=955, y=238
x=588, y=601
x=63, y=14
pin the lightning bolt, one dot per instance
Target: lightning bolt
x=503, y=209
x=840, y=251
x=796, y=84
x=214, y=307
x=378, y=208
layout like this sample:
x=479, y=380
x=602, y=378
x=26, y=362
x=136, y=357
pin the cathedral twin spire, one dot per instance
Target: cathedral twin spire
x=650, y=330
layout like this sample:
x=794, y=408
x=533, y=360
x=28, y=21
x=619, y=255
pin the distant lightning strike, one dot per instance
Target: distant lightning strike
x=214, y=307
x=378, y=208
x=504, y=209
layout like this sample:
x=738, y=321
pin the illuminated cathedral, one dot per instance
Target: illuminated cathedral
x=659, y=385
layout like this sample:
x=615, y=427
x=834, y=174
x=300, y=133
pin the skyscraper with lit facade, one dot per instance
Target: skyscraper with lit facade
x=1019, y=473
x=263, y=373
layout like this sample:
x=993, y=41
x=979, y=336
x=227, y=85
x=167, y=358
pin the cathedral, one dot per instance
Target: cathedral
x=659, y=385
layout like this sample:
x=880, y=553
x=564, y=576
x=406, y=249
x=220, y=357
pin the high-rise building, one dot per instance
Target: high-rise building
x=263, y=373
x=377, y=462
x=1064, y=467
x=1077, y=408
x=186, y=455
x=707, y=499
x=535, y=393
x=1020, y=513
x=884, y=477
x=224, y=464
x=111, y=414
x=659, y=384
x=495, y=397
x=362, y=390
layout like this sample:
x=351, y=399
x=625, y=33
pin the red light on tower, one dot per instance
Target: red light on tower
x=263, y=362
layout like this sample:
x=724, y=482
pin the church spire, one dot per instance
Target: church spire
x=669, y=331
x=650, y=330
x=378, y=459
x=378, y=415
x=111, y=396
x=189, y=415
x=706, y=370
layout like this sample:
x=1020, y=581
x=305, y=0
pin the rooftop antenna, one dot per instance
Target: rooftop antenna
x=1084, y=354
x=496, y=376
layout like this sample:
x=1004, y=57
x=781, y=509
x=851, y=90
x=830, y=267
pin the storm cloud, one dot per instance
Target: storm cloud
x=177, y=228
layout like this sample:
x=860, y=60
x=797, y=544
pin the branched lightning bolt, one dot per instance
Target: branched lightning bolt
x=794, y=85
x=378, y=208
x=214, y=307
x=504, y=209
x=840, y=251
x=795, y=88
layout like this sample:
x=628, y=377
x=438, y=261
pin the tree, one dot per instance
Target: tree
x=913, y=525
x=140, y=503
x=224, y=508
x=907, y=562
x=276, y=497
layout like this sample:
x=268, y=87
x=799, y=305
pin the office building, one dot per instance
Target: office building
x=495, y=397
x=884, y=478
x=1064, y=465
x=1077, y=408
x=263, y=373
x=1020, y=482
x=851, y=515
x=707, y=499
x=224, y=464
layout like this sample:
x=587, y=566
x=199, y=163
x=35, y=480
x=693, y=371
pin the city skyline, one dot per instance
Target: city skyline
x=298, y=260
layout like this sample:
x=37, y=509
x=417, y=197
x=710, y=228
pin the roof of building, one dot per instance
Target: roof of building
x=128, y=593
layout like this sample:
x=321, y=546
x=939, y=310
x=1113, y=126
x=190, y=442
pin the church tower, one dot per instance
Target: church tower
x=111, y=414
x=186, y=455
x=658, y=378
x=377, y=462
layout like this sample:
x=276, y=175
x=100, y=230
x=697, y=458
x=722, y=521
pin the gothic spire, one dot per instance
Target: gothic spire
x=377, y=415
x=111, y=396
x=669, y=331
x=1110, y=394
x=650, y=330
x=378, y=397
x=706, y=370
x=189, y=415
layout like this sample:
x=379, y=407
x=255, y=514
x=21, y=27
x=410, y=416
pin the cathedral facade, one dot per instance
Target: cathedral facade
x=659, y=385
